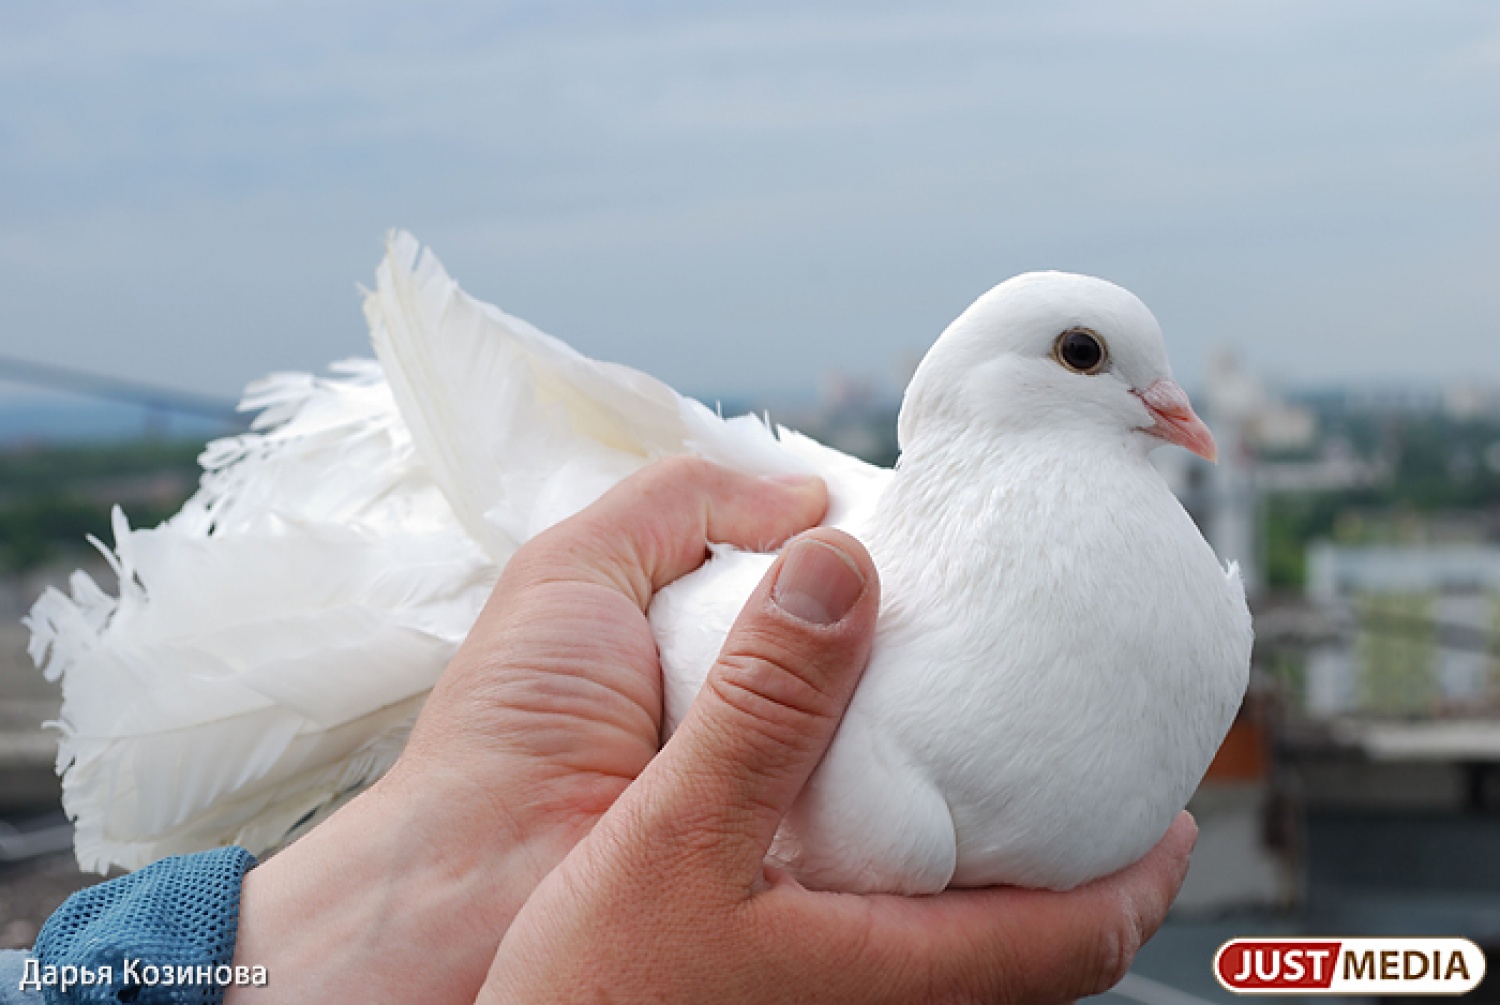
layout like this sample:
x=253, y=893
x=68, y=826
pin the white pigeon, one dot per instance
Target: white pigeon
x=1059, y=652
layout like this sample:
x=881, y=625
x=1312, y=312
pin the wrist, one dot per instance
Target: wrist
x=402, y=895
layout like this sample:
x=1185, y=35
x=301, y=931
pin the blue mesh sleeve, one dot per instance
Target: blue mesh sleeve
x=180, y=913
x=12, y=973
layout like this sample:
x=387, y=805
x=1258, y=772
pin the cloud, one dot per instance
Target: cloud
x=712, y=191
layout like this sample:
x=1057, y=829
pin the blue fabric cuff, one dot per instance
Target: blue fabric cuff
x=12, y=975
x=166, y=933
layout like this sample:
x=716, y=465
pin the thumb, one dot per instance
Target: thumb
x=771, y=703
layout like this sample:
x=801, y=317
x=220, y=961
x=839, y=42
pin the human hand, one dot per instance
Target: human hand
x=668, y=898
x=550, y=708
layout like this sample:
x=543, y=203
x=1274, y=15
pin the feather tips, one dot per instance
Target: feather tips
x=270, y=643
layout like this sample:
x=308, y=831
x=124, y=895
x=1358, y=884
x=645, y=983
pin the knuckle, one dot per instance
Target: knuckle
x=1114, y=949
x=678, y=470
x=771, y=697
x=781, y=682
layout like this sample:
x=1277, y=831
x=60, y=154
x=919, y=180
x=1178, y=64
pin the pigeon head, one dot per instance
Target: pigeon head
x=1054, y=351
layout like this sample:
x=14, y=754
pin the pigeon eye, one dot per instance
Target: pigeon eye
x=1081, y=351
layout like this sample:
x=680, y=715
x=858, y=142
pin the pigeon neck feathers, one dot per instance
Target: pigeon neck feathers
x=963, y=502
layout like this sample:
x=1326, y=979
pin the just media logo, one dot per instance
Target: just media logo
x=1406, y=966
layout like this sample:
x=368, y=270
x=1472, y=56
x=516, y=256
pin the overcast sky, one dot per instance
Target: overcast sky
x=740, y=197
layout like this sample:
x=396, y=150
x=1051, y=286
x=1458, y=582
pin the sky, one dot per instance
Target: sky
x=743, y=198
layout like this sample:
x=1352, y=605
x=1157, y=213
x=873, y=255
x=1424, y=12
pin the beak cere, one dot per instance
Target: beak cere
x=1176, y=422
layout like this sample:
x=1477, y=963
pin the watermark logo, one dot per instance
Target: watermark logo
x=1405, y=966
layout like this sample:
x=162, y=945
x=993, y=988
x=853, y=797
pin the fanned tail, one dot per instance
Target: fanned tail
x=271, y=643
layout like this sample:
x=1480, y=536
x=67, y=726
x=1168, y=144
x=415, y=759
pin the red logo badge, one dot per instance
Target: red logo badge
x=1410, y=966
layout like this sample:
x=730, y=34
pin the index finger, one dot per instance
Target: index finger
x=655, y=526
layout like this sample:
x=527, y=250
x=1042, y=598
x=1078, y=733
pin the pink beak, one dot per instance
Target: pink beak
x=1176, y=422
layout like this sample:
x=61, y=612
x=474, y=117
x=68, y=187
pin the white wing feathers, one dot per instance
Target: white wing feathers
x=519, y=429
x=272, y=643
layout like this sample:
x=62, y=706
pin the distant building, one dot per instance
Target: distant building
x=1471, y=401
x=1424, y=625
x=1224, y=499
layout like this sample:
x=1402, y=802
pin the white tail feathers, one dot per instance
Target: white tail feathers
x=272, y=643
